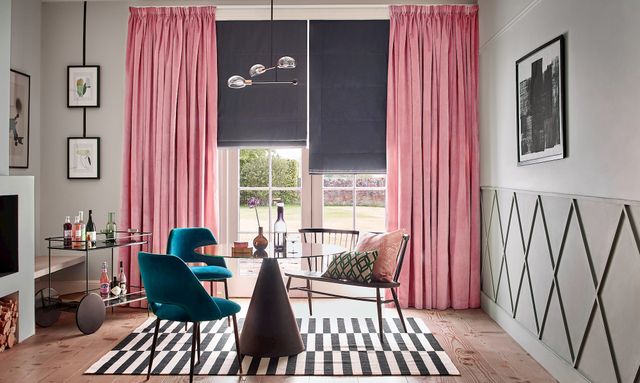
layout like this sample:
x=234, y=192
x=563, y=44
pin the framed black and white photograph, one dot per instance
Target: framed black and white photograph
x=83, y=157
x=540, y=108
x=83, y=86
x=19, y=110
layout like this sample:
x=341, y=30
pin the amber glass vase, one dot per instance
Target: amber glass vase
x=260, y=242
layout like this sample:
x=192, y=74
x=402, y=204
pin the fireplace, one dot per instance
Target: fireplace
x=8, y=235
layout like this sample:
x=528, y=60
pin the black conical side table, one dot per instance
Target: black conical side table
x=270, y=329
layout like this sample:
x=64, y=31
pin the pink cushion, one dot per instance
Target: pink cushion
x=387, y=245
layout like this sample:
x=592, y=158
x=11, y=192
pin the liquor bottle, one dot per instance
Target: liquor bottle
x=83, y=234
x=91, y=231
x=67, y=232
x=122, y=279
x=104, y=281
x=77, y=234
x=280, y=230
x=111, y=227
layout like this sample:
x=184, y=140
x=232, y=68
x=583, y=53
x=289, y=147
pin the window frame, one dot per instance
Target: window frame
x=354, y=188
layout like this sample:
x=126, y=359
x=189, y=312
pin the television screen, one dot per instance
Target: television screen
x=8, y=234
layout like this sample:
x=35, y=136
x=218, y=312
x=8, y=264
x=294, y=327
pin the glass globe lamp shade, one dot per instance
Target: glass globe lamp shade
x=257, y=69
x=236, y=82
x=286, y=62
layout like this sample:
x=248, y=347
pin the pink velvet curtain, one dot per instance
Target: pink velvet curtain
x=432, y=153
x=170, y=131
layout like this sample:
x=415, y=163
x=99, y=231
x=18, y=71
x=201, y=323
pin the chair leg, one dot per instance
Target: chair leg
x=288, y=284
x=235, y=333
x=211, y=288
x=153, y=346
x=379, y=304
x=194, y=345
x=198, y=341
x=309, y=294
x=395, y=301
x=226, y=296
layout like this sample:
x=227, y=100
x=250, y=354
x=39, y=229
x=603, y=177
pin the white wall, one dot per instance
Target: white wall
x=22, y=281
x=5, y=49
x=603, y=89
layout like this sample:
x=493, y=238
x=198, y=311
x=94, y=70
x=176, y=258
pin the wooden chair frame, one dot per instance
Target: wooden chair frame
x=379, y=301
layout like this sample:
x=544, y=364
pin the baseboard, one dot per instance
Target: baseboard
x=558, y=367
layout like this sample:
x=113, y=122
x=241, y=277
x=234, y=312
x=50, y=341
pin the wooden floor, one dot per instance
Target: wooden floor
x=480, y=349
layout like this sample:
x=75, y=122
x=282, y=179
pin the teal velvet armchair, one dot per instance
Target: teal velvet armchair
x=183, y=300
x=183, y=242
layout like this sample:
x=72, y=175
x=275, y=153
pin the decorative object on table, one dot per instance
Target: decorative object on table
x=241, y=244
x=110, y=230
x=419, y=354
x=540, y=103
x=83, y=86
x=280, y=229
x=241, y=251
x=19, y=111
x=83, y=158
x=387, y=245
x=284, y=62
x=78, y=240
x=116, y=291
x=260, y=242
x=352, y=266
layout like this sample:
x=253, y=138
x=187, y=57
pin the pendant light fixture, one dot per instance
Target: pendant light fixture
x=284, y=62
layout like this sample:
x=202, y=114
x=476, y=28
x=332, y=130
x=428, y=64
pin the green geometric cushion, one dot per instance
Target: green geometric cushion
x=353, y=266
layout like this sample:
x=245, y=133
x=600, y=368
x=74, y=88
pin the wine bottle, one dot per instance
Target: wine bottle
x=104, y=281
x=280, y=230
x=91, y=231
x=83, y=228
x=122, y=279
x=67, y=232
x=111, y=227
x=77, y=234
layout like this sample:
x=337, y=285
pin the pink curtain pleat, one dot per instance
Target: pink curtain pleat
x=170, y=131
x=432, y=153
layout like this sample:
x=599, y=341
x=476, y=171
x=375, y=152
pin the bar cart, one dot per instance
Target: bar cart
x=89, y=306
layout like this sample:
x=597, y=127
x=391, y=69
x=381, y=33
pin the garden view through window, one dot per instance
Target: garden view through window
x=348, y=201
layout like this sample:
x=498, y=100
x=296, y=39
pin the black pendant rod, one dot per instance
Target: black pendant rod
x=84, y=62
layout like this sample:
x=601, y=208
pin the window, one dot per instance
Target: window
x=269, y=174
x=355, y=202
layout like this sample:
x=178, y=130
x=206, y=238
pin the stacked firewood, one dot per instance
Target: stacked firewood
x=8, y=323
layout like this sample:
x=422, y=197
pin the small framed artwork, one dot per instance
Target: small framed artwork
x=83, y=86
x=540, y=95
x=19, y=110
x=83, y=157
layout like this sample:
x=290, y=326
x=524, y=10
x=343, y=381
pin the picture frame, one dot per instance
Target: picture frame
x=83, y=86
x=19, y=119
x=83, y=158
x=540, y=104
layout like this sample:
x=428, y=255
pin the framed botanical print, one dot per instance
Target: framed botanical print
x=83, y=86
x=19, y=111
x=540, y=96
x=83, y=157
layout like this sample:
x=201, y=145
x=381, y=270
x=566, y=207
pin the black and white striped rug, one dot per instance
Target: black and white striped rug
x=334, y=346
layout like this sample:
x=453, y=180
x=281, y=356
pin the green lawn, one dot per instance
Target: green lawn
x=368, y=218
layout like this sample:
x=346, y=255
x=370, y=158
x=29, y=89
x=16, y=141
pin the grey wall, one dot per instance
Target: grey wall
x=5, y=50
x=62, y=46
x=603, y=86
x=25, y=58
x=602, y=90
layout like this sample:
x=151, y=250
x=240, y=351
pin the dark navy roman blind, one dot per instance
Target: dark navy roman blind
x=262, y=115
x=348, y=96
